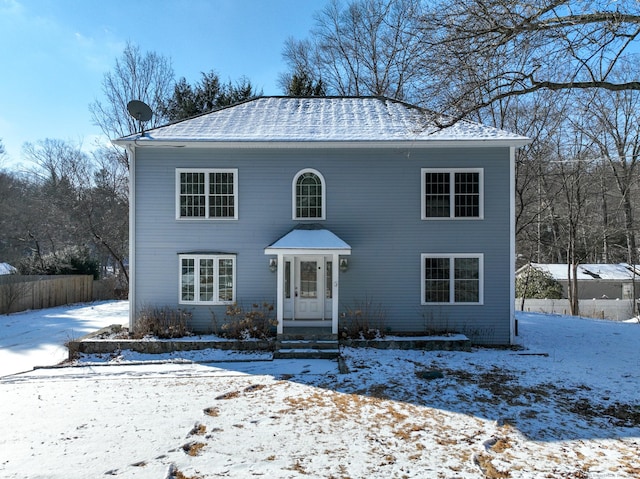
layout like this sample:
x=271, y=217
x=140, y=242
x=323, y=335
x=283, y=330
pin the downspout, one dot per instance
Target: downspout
x=132, y=235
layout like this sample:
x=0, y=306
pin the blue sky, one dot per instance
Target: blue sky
x=54, y=53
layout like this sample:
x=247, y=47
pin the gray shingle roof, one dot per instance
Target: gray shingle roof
x=321, y=119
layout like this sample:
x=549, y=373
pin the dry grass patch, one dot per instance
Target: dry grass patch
x=633, y=470
x=180, y=475
x=235, y=394
x=390, y=412
x=212, y=411
x=254, y=387
x=388, y=460
x=229, y=395
x=298, y=467
x=483, y=461
x=501, y=445
x=618, y=414
x=407, y=431
x=198, y=430
x=348, y=407
x=193, y=448
x=446, y=441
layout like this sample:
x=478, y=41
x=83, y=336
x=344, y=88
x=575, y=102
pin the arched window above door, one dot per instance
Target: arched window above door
x=309, y=195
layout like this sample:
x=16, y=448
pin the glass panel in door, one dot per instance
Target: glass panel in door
x=308, y=279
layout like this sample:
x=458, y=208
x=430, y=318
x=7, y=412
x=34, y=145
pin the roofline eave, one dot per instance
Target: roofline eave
x=409, y=143
x=308, y=251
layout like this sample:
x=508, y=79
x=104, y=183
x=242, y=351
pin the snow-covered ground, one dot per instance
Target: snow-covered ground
x=37, y=338
x=567, y=405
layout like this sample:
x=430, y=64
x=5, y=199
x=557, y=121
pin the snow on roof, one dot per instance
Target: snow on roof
x=6, y=268
x=294, y=119
x=309, y=237
x=619, y=271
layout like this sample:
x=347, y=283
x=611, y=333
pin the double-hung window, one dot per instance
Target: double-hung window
x=452, y=278
x=452, y=193
x=206, y=193
x=207, y=278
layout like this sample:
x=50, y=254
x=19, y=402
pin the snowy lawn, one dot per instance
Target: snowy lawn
x=36, y=338
x=566, y=406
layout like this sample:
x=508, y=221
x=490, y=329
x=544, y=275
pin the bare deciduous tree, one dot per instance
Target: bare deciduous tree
x=59, y=172
x=611, y=121
x=529, y=45
x=3, y=153
x=136, y=76
x=57, y=161
x=105, y=212
x=368, y=47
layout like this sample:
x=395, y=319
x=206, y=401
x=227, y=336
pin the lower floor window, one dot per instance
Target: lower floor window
x=452, y=278
x=207, y=279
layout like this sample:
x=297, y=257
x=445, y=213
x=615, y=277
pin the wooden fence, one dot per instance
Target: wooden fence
x=20, y=293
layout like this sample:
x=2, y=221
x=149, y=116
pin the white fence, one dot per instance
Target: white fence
x=614, y=309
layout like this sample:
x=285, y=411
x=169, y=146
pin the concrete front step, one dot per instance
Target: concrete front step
x=309, y=349
x=306, y=353
x=307, y=333
x=307, y=344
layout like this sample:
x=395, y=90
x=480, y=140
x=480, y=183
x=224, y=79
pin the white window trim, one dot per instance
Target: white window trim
x=452, y=257
x=196, y=278
x=293, y=195
x=207, y=171
x=452, y=172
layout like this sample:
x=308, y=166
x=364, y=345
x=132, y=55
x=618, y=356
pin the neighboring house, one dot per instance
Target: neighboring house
x=595, y=281
x=6, y=268
x=322, y=204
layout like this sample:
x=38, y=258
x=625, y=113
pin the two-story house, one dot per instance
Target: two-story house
x=320, y=204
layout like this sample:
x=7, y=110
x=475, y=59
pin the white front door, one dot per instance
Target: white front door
x=309, y=287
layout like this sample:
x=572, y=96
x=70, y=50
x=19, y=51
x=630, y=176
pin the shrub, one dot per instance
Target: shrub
x=364, y=321
x=163, y=322
x=242, y=323
x=71, y=260
x=435, y=322
x=537, y=284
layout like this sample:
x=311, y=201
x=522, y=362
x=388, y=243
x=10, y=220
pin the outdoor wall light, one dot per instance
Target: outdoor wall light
x=344, y=264
x=273, y=265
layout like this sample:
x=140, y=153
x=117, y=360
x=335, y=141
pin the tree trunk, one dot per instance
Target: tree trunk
x=572, y=290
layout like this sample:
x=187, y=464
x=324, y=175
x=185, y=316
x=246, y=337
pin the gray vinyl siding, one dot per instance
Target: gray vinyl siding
x=373, y=203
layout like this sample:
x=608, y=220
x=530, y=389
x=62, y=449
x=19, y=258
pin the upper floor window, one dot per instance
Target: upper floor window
x=308, y=195
x=452, y=278
x=207, y=193
x=452, y=193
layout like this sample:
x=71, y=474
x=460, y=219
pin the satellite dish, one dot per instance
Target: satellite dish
x=139, y=110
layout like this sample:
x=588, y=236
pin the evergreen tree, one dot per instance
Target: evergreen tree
x=301, y=84
x=210, y=93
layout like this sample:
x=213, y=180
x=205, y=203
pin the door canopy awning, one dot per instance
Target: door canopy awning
x=309, y=239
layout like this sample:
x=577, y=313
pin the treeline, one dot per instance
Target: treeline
x=67, y=214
